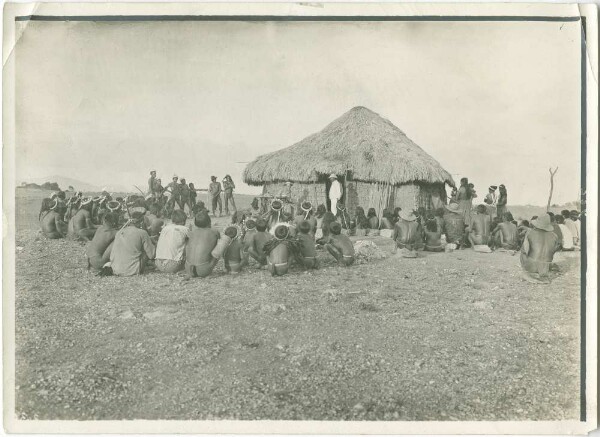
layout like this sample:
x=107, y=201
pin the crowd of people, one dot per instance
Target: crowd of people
x=128, y=236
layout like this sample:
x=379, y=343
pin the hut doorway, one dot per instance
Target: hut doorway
x=342, y=181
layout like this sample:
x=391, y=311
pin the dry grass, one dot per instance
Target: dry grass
x=360, y=141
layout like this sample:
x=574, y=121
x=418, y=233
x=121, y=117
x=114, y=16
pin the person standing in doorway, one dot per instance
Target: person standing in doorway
x=215, y=195
x=228, y=187
x=335, y=193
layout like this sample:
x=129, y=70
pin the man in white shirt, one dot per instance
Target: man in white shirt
x=567, y=235
x=171, y=244
x=335, y=193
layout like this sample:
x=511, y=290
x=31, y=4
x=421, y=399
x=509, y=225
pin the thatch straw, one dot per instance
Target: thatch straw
x=360, y=141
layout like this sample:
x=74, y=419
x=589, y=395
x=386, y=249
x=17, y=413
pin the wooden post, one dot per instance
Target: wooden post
x=552, y=173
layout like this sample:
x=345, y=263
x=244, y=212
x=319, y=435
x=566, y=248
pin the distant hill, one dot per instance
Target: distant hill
x=64, y=183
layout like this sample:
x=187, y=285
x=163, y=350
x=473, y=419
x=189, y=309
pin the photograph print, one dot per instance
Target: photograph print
x=300, y=215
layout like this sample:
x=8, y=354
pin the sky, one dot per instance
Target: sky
x=107, y=102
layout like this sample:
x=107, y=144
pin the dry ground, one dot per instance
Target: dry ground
x=442, y=337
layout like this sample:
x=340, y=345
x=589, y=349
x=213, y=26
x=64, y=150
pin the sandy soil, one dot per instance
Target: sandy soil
x=442, y=337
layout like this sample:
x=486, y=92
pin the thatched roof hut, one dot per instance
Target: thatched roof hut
x=361, y=148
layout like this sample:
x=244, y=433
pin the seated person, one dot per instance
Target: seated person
x=454, y=225
x=387, y=220
x=438, y=216
x=257, y=242
x=433, y=237
x=362, y=222
x=568, y=240
x=308, y=249
x=557, y=230
x=153, y=223
x=50, y=220
x=199, y=261
x=250, y=229
x=339, y=245
x=234, y=253
x=538, y=250
x=479, y=233
x=98, y=250
x=81, y=226
x=373, y=220
x=407, y=232
x=198, y=207
x=132, y=248
x=278, y=252
x=506, y=234
x=170, y=249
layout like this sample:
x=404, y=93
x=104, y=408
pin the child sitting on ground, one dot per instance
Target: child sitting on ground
x=340, y=246
x=307, y=241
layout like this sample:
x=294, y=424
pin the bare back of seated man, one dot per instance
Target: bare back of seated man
x=52, y=225
x=480, y=227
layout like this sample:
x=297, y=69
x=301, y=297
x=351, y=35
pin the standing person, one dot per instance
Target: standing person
x=491, y=201
x=170, y=249
x=152, y=183
x=184, y=196
x=538, y=250
x=335, y=193
x=173, y=187
x=132, y=247
x=463, y=196
x=502, y=201
x=193, y=195
x=228, y=187
x=215, y=195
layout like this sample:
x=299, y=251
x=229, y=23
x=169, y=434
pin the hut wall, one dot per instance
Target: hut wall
x=314, y=192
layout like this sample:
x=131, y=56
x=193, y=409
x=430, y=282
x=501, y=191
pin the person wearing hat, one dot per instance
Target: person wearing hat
x=174, y=196
x=454, y=225
x=199, y=261
x=480, y=229
x=539, y=246
x=81, y=225
x=502, y=201
x=228, y=187
x=407, y=234
x=53, y=227
x=339, y=245
x=491, y=200
x=335, y=193
x=132, y=248
x=214, y=190
x=98, y=250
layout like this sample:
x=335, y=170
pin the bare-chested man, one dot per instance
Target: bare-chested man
x=51, y=222
x=81, y=225
x=199, y=261
x=308, y=249
x=538, y=250
x=340, y=246
x=407, y=232
x=257, y=241
x=279, y=255
x=98, y=250
x=506, y=234
x=479, y=233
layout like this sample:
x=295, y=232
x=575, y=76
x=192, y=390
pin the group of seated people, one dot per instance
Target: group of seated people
x=131, y=234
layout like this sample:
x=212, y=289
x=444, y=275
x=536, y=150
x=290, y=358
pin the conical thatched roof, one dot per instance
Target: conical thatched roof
x=360, y=141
